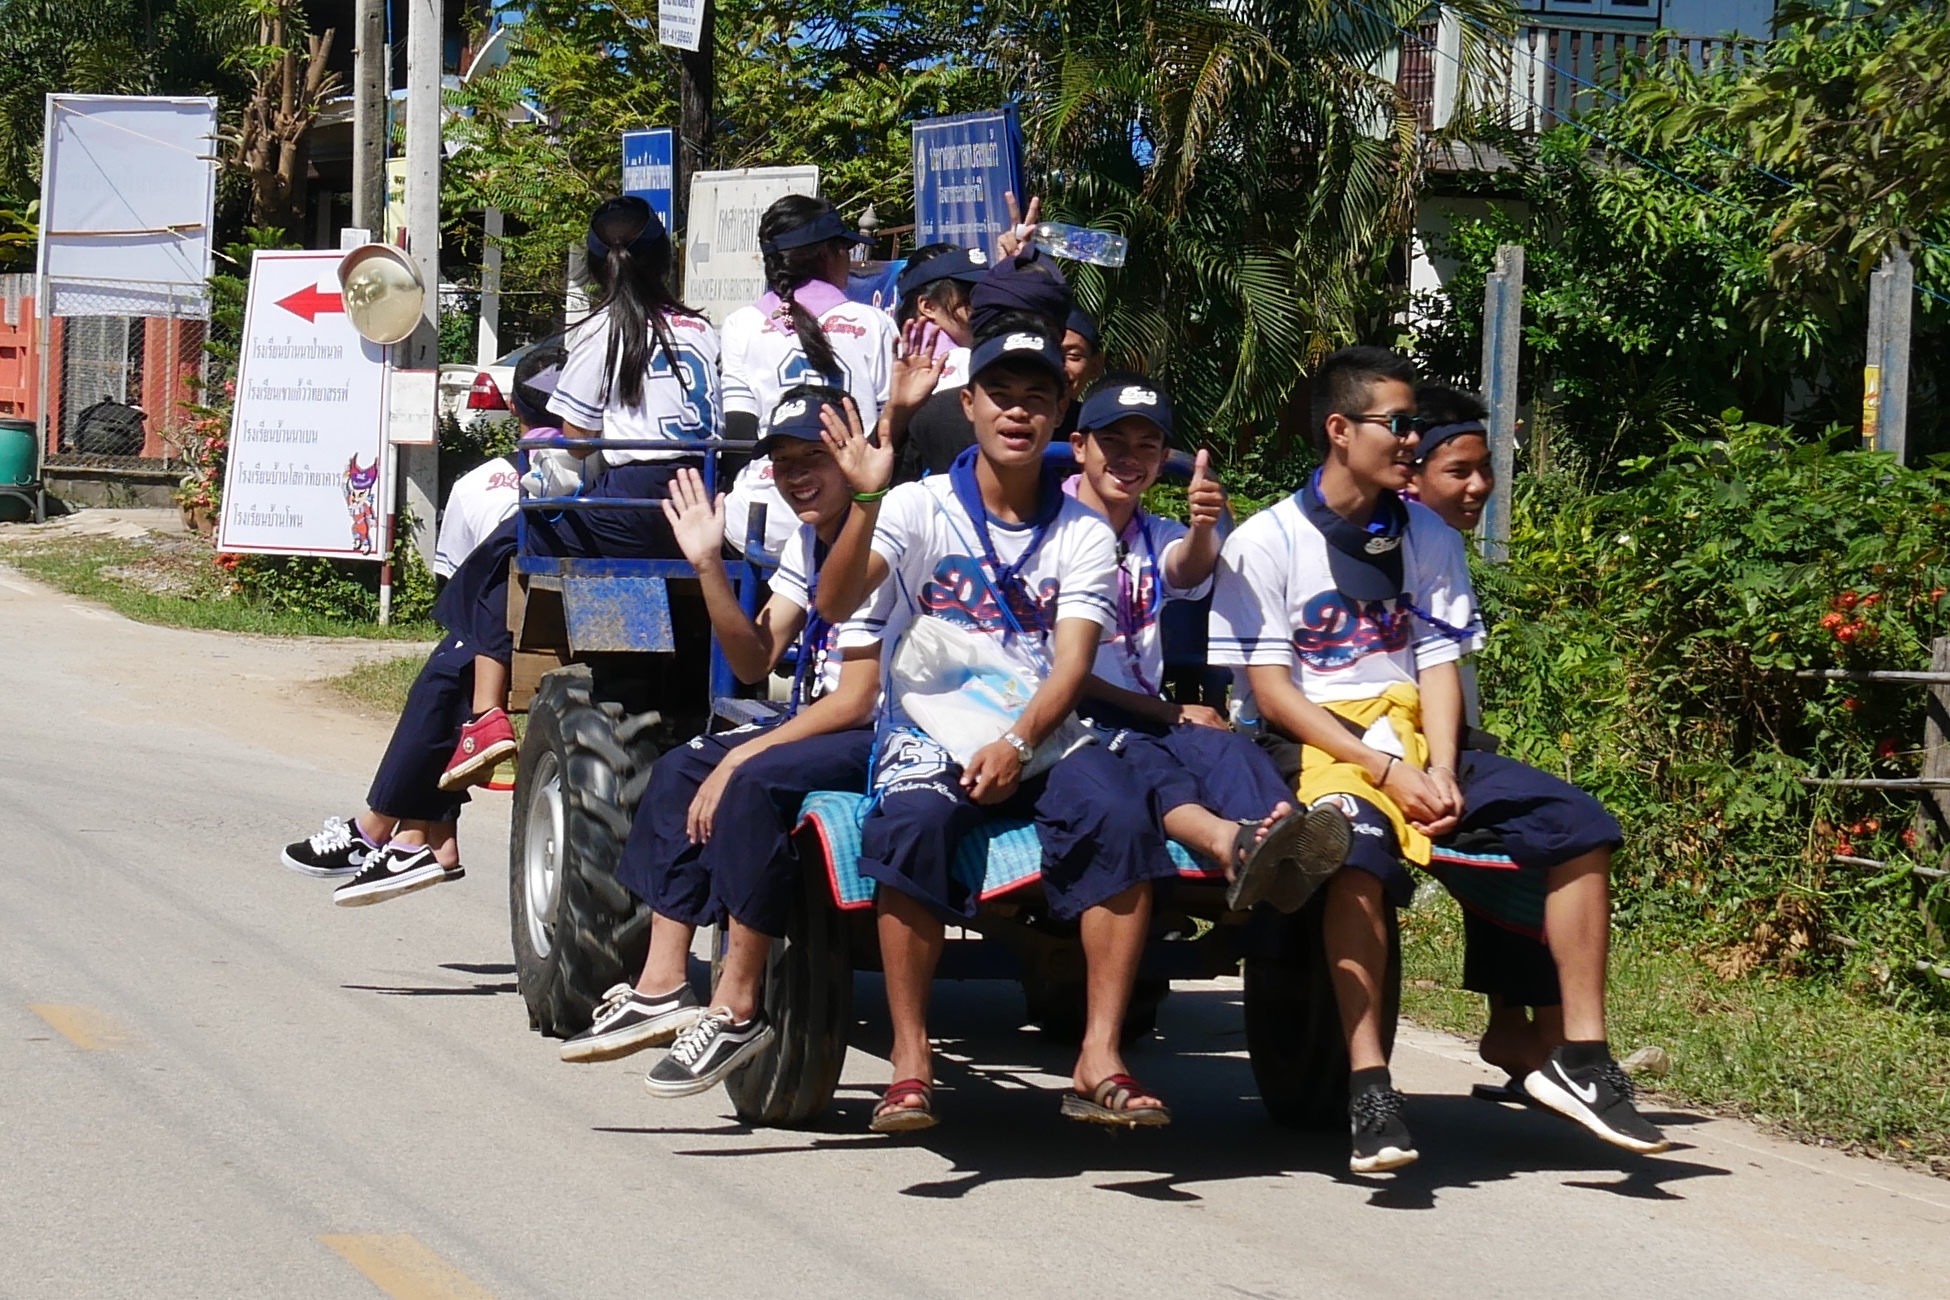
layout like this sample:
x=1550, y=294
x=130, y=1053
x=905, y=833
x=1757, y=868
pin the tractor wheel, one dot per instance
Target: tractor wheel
x=583, y=767
x=809, y=1000
x=1293, y=1024
x=1058, y=1007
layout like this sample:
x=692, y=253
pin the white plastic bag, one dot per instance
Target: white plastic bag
x=960, y=688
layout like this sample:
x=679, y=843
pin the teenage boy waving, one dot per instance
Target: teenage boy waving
x=1348, y=609
x=996, y=548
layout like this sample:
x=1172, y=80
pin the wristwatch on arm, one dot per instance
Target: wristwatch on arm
x=1024, y=750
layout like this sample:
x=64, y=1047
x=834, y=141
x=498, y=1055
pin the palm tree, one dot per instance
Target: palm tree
x=1260, y=158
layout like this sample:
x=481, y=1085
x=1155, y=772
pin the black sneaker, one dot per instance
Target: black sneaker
x=1598, y=1097
x=1381, y=1140
x=339, y=849
x=392, y=871
x=706, y=1053
x=628, y=1022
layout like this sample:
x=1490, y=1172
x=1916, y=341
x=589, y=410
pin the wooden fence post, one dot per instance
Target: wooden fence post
x=1885, y=372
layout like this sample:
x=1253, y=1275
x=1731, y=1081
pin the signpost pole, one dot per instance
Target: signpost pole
x=421, y=465
x=369, y=115
x=697, y=94
x=1502, y=338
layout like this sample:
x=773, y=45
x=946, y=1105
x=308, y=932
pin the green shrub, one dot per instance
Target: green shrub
x=1645, y=644
x=338, y=589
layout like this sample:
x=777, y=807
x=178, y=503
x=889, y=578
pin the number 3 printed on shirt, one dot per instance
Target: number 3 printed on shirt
x=697, y=405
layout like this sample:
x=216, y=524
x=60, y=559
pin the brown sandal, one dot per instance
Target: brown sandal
x=892, y=1117
x=1109, y=1103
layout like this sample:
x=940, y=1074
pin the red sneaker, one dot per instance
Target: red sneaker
x=484, y=742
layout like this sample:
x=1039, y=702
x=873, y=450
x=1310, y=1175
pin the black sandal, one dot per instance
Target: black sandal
x=1109, y=1103
x=891, y=1117
x=1298, y=855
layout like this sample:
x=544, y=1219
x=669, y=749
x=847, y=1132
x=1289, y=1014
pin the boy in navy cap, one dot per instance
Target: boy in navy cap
x=995, y=547
x=1348, y=609
x=710, y=838
x=1216, y=790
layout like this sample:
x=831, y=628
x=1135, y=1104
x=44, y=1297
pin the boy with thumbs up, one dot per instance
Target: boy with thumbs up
x=1217, y=791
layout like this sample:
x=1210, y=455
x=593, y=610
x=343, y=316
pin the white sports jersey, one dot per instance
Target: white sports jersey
x=791, y=582
x=936, y=567
x=955, y=373
x=1275, y=603
x=1134, y=657
x=681, y=404
x=762, y=358
x=478, y=503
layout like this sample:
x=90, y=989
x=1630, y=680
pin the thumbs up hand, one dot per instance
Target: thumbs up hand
x=1204, y=497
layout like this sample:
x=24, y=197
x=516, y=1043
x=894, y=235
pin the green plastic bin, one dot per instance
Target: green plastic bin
x=16, y=468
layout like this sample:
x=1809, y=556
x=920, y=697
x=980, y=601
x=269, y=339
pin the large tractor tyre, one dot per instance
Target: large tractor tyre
x=582, y=769
x=809, y=1000
x=1058, y=1007
x=1293, y=1024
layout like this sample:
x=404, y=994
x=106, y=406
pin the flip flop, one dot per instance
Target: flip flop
x=1108, y=1104
x=889, y=1117
x=1298, y=855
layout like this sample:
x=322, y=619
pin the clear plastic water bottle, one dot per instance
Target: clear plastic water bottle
x=1081, y=243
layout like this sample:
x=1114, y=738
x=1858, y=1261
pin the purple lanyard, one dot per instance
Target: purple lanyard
x=1130, y=620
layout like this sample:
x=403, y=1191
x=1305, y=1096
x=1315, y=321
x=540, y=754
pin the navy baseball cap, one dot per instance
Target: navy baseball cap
x=1109, y=403
x=827, y=225
x=968, y=265
x=1366, y=562
x=797, y=415
x=1017, y=347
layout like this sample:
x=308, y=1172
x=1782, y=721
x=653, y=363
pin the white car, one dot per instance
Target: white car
x=474, y=395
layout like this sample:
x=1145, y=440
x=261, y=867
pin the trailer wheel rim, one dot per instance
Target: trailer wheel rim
x=541, y=853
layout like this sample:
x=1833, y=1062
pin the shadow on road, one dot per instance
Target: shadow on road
x=999, y=1121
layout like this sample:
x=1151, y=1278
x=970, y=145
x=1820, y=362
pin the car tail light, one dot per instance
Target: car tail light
x=485, y=395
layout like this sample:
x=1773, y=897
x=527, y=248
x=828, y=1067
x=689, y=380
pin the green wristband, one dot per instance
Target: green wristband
x=866, y=497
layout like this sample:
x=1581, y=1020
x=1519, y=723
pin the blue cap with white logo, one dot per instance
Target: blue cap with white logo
x=797, y=414
x=1109, y=403
x=1017, y=347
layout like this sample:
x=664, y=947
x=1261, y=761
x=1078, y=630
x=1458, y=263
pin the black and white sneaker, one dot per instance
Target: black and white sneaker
x=392, y=871
x=339, y=848
x=707, y=1053
x=1381, y=1139
x=627, y=1021
x=1598, y=1097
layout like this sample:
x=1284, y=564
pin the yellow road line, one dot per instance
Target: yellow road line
x=404, y=1269
x=85, y=1027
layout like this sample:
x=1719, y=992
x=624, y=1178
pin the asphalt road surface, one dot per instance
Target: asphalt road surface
x=214, y=1083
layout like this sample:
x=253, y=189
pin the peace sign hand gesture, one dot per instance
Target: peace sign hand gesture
x=868, y=467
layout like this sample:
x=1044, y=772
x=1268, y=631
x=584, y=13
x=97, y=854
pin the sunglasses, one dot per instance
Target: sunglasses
x=1400, y=425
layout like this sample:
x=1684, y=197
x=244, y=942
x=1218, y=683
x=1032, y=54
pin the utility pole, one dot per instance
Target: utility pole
x=1502, y=339
x=698, y=92
x=369, y=116
x=1885, y=371
x=420, y=465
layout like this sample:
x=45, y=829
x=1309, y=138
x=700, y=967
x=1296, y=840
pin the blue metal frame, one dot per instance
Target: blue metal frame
x=632, y=590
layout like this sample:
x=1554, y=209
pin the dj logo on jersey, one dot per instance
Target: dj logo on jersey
x=960, y=592
x=1336, y=632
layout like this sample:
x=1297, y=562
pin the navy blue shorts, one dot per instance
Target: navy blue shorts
x=407, y=784
x=1220, y=771
x=474, y=603
x=1100, y=837
x=747, y=869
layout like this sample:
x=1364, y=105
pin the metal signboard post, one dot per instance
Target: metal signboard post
x=308, y=472
x=963, y=166
x=649, y=162
x=722, y=267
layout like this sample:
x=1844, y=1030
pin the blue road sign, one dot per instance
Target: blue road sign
x=648, y=168
x=962, y=166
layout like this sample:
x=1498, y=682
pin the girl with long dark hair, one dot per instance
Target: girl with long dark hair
x=802, y=330
x=642, y=367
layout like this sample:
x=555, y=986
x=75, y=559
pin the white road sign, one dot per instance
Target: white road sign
x=722, y=267
x=680, y=23
x=307, y=472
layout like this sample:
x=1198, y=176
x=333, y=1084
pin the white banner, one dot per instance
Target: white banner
x=128, y=188
x=308, y=469
x=680, y=23
x=722, y=267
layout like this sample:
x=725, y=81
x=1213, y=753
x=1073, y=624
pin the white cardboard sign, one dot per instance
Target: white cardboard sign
x=308, y=470
x=722, y=267
x=680, y=23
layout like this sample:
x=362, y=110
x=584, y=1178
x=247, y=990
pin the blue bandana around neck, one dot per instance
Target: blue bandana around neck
x=1007, y=579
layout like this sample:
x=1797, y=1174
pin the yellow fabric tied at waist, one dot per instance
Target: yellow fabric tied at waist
x=1321, y=774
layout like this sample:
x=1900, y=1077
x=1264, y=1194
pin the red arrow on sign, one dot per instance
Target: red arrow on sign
x=310, y=304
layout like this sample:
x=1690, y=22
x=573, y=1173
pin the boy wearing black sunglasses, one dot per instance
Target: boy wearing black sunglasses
x=1347, y=608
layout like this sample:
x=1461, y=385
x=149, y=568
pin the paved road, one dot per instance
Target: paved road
x=213, y=1083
